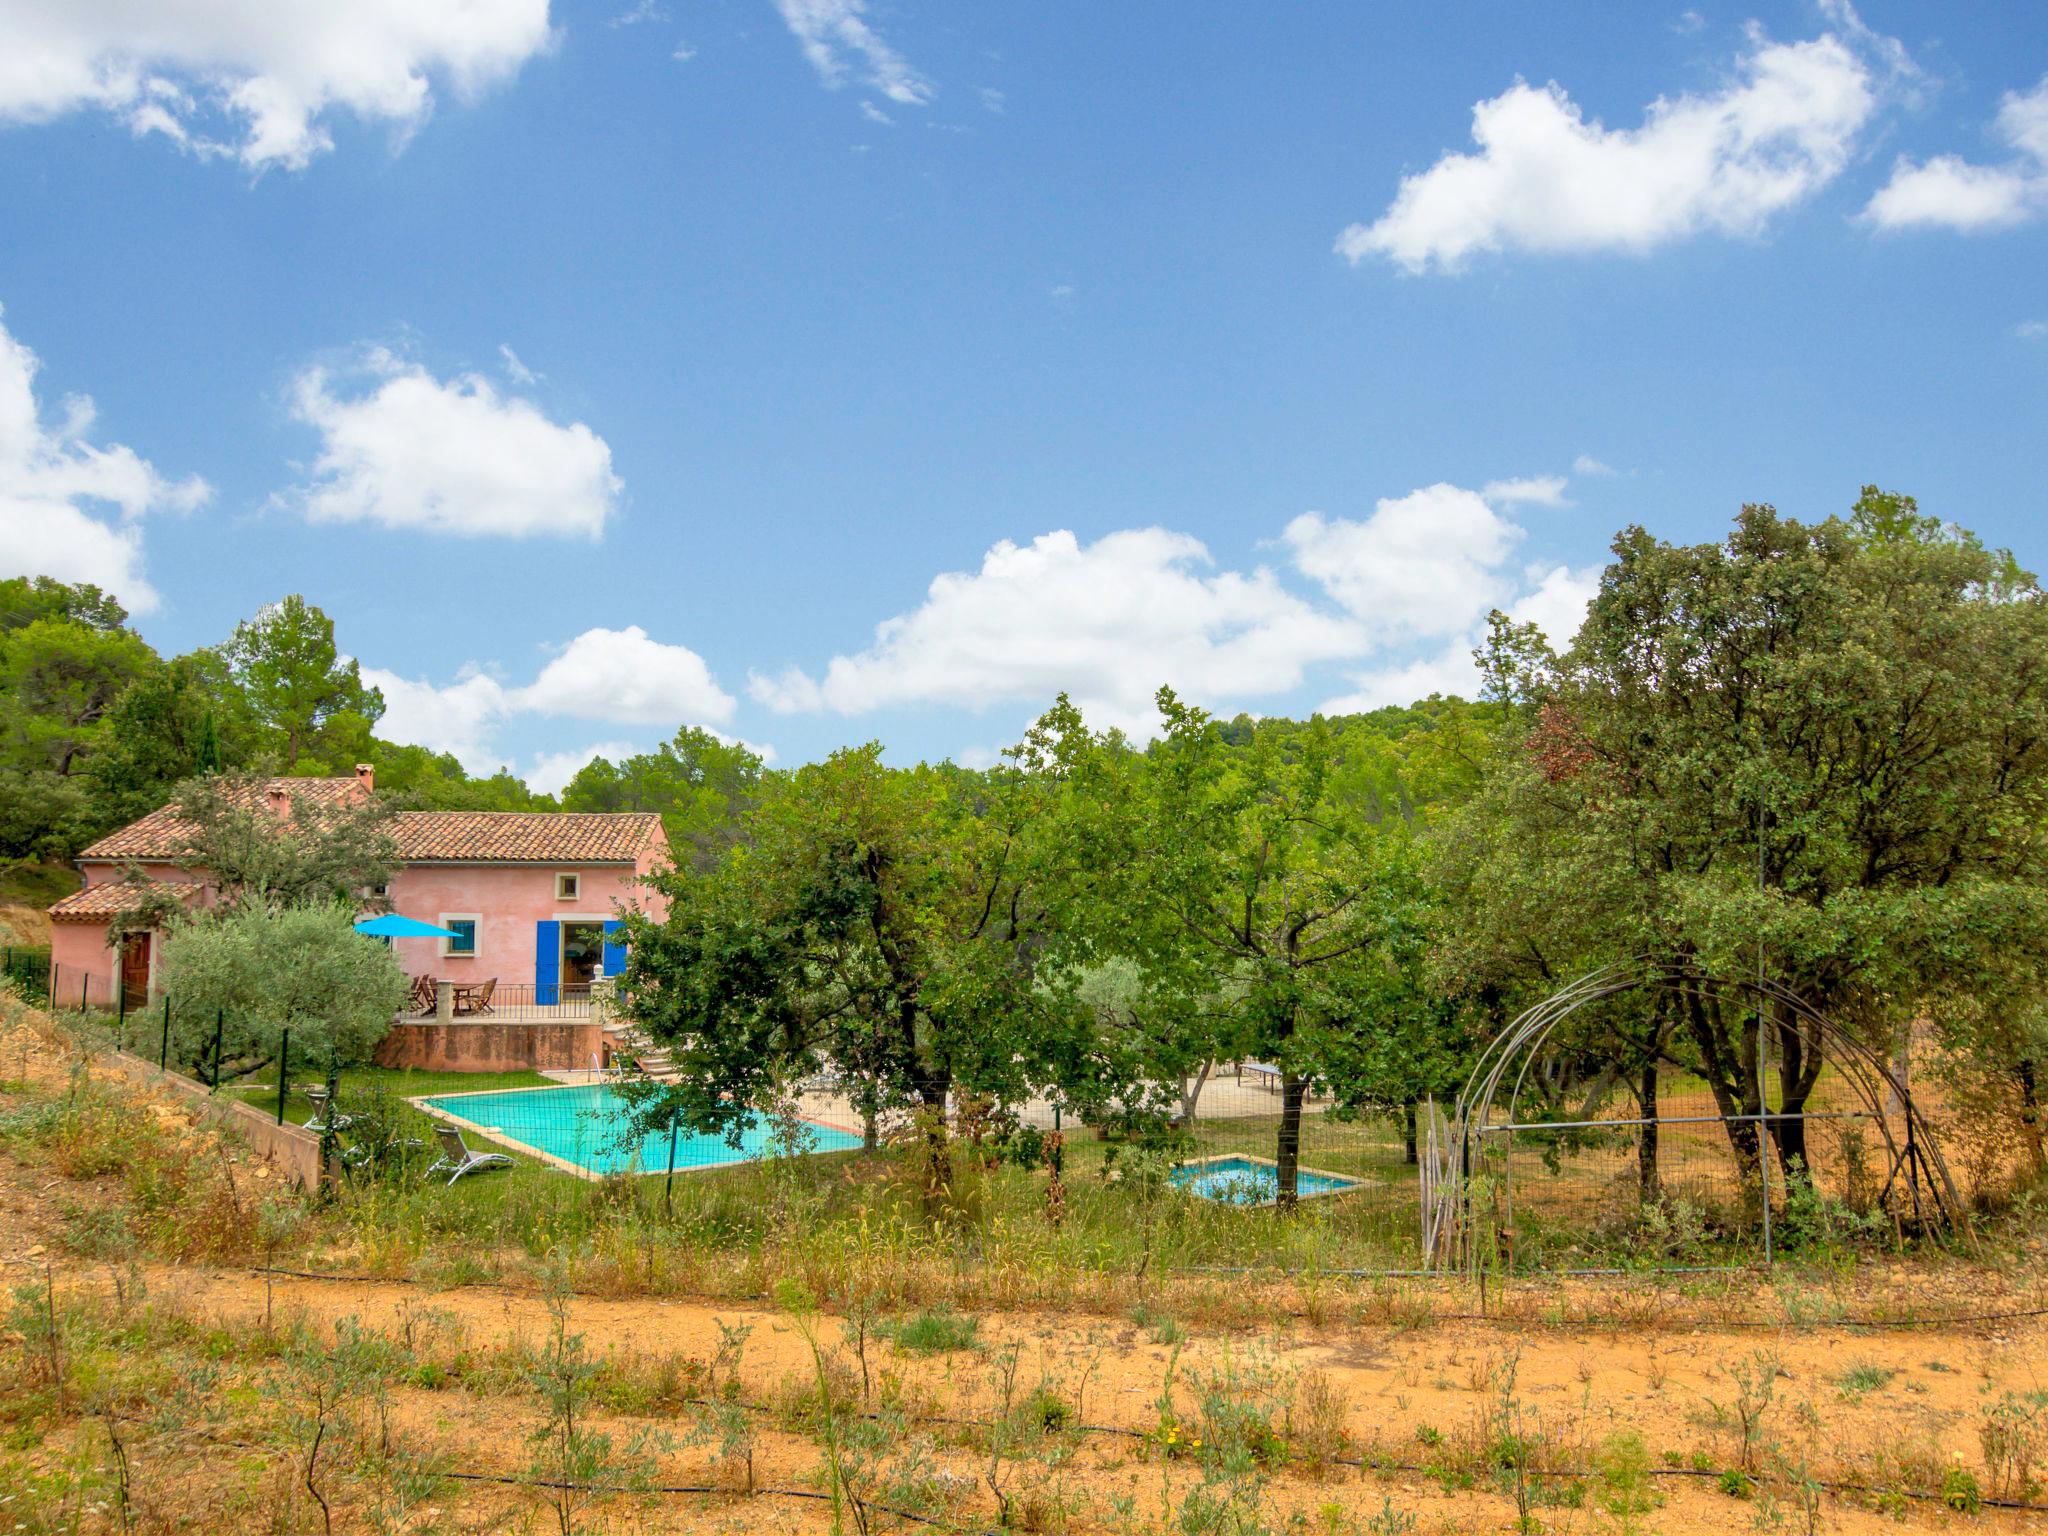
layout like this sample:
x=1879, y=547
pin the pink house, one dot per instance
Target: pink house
x=533, y=897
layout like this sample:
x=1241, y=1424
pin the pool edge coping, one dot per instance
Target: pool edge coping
x=562, y=1164
x=1351, y=1182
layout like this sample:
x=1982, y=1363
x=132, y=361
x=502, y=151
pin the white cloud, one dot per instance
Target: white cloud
x=993, y=100
x=622, y=675
x=1108, y=622
x=837, y=39
x=1591, y=468
x=875, y=114
x=1949, y=192
x=56, y=489
x=2031, y=330
x=257, y=79
x=1544, y=178
x=1555, y=604
x=1428, y=563
x=460, y=718
x=552, y=771
x=515, y=369
x=1534, y=490
x=413, y=451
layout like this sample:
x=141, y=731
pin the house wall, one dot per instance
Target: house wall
x=83, y=946
x=509, y=900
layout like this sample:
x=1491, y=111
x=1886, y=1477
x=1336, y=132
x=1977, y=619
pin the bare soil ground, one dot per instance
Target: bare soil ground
x=1393, y=1412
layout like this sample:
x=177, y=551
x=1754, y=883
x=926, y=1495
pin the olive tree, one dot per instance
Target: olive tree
x=260, y=969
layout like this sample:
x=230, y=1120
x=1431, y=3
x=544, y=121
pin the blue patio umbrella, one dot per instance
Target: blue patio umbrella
x=391, y=926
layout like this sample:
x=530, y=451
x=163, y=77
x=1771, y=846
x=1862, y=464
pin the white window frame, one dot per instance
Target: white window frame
x=476, y=935
x=562, y=892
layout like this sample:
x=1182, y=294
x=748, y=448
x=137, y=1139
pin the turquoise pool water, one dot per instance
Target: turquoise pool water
x=1244, y=1181
x=583, y=1124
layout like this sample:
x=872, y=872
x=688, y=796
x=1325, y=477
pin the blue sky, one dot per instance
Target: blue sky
x=818, y=371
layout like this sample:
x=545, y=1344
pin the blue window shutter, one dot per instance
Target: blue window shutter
x=614, y=948
x=547, y=962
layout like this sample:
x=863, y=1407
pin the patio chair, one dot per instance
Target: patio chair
x=456, y=1158
x=425, y=994
x=476, y=999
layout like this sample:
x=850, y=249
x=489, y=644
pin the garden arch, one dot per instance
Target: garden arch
x=1469, y=1162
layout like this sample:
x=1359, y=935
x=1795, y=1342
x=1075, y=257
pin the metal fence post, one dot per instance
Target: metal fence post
x=284, y=1061
x=220, y=1022
x=668, y=1188
x=164, y=1061
x=121, y=1016
x=83, y=982
x=1763, y=1129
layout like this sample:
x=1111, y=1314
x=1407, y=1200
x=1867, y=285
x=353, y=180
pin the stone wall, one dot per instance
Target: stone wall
x=292, y=1149
x=484, y=1046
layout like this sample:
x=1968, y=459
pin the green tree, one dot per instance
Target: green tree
x=876, y=919
x=268, y=845
x=1225, y=867
x=58, y=682
x=313, y=701
x=26, y=599
x=184, y=717
x=260, y=969
x=1818, y=748
x=703, y=787
x=435, y=781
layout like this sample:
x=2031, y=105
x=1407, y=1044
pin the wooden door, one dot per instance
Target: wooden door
x=135, y=968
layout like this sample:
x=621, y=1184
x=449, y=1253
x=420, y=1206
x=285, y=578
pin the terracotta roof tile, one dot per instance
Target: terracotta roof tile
x=97, y=903
x=164, y=834
x=437, y=836
x=524, y=836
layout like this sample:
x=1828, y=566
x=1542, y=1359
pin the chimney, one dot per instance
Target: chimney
x=366, y=776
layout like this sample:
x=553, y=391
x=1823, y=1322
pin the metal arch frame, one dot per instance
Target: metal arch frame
x=1447, y=1168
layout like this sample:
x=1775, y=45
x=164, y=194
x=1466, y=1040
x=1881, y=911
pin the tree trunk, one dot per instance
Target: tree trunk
x=932, y=1089
x=1649, y=1186
x=1192, y=1095
x=1287, y=1154
x=1800, y=1061
x=1733, y=1081
x=870, y=1125
x=1408, y=1132
x=2030, y=1111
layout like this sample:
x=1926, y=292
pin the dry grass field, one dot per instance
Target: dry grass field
x=186, y=1349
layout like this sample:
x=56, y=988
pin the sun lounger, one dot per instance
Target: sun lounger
x=456, y=1158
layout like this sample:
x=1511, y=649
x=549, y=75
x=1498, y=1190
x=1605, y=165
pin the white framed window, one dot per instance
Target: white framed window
x=464, y=925
x=568, y=887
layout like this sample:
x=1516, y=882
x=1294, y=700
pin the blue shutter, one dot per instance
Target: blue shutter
x=547, y=962
x=614, y=948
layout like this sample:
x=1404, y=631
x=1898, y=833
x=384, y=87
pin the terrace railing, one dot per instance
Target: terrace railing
x=514, y=1002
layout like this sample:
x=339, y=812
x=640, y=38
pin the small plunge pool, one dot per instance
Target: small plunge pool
x=1240, y=1180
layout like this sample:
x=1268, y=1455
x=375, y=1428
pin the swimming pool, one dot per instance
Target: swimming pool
x=579, y=1127
x=1251, y=1181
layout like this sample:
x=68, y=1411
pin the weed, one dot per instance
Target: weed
x=1863, y=1376
x=2014, y=1435
x=935, y=1333
x=1959, y=1490
x=1736, y=1483
x=1627, y=1492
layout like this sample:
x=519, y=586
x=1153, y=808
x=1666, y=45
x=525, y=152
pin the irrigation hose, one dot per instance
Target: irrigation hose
x=1375, y=1465
x=1966, y=1320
